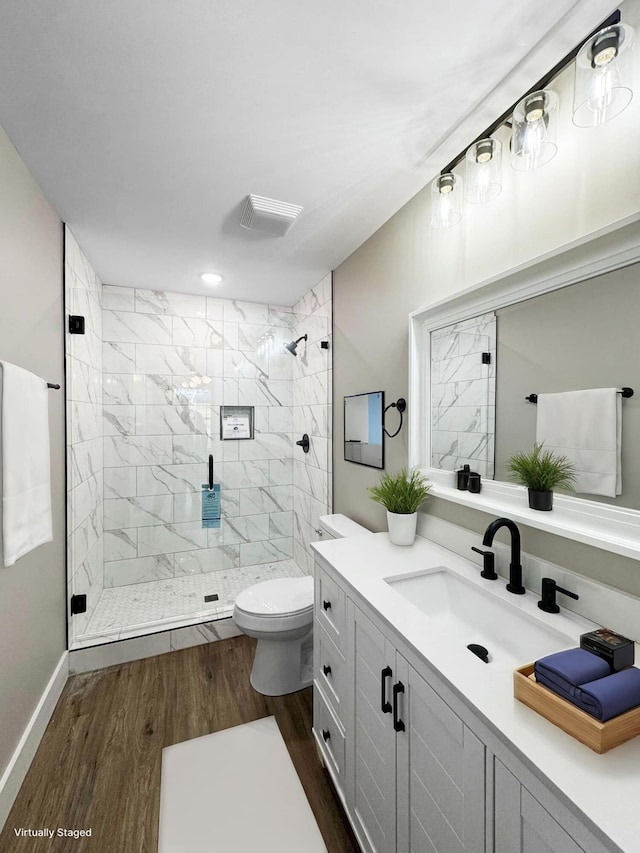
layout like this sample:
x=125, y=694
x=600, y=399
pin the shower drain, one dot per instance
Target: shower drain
x=213, y=597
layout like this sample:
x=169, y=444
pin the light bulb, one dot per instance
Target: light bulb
x=446, y=200
x=600, y=92
x=534, y=130
x=483, y=171
x=603, y=85
x=533, y=137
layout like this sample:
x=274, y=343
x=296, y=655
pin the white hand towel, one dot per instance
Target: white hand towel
x=586, y=427
x=26, y=470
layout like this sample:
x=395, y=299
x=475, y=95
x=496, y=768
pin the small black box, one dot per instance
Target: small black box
x=617, y=650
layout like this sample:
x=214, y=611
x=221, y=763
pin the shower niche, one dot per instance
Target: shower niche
x=236, y=423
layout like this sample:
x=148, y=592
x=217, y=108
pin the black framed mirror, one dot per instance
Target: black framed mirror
x=363, y=432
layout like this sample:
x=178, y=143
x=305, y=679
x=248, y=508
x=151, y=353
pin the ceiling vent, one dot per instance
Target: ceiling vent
x=268, y=215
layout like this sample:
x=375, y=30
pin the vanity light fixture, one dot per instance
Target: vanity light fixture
x=604, y=72
x=533, y=136
x=534, y=121
x=483, y=167
x=446, y=200
x=210, y=277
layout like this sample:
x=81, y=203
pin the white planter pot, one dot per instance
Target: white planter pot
x=402, y=527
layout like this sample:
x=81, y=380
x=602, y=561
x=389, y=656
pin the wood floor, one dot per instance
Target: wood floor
x=98, y=765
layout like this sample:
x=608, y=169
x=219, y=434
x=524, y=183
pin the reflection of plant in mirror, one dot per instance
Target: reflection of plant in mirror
x=402, y=493
x=541, y=470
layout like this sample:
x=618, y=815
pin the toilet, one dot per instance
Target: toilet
x=278, y=613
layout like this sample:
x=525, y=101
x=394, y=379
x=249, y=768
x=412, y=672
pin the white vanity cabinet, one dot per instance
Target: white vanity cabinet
x=441, y=777
x=522, y=825
x=417, y=771
x=372, y=780
x=414, y=774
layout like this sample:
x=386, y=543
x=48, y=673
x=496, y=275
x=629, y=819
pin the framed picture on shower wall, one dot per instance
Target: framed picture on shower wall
x=236, y=423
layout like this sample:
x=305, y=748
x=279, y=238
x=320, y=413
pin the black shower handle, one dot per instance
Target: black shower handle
x=210, y=472
x=304, y=443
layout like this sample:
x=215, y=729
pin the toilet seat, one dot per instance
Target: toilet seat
x=282, y=604
x=280, y=597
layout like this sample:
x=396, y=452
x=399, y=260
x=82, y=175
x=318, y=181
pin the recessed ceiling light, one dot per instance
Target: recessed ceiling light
x=210, y=277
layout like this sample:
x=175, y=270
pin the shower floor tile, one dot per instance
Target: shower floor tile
x=132, y=611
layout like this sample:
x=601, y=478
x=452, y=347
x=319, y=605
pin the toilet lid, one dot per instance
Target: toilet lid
x=277, y=597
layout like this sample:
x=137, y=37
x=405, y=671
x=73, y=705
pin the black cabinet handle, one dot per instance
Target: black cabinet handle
x=398, y=688
x=326, y=605
x=384, y=705
x=210, y=472
x=326, y=734
x=326, y=669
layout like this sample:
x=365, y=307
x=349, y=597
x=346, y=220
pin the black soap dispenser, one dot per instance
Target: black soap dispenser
x=475, y=482
x=463, y=478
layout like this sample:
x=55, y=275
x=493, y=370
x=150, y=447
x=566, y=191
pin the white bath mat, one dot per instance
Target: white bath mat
x=235, y=791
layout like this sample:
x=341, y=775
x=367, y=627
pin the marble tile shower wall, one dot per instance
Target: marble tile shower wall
x=170, y=361
x=83, y=295
x=312, y=413
x=463, y=395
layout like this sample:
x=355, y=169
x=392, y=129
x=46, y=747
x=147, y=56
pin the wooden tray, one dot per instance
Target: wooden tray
x=600, y=737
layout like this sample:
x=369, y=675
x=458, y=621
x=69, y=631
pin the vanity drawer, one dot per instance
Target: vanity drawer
x=330, y=608
x=330, y=671
x=330, y=736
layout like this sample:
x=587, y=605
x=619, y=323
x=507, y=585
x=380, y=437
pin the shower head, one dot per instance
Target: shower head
x=293, y=345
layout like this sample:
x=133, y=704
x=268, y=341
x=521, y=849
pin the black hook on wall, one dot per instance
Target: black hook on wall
x=401, y=406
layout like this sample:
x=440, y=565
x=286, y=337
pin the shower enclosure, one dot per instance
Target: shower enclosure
x=151, y=386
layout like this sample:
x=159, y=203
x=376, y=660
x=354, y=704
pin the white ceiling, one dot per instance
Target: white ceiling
x=146, y=122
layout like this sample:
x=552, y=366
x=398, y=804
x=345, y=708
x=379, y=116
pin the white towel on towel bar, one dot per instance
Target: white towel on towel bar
x=586, y=427
x=26, y=470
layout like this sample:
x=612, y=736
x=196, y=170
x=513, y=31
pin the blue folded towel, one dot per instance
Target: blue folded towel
x=603, y=698
x=570, y=692
x=570, y=668
x=613, y=695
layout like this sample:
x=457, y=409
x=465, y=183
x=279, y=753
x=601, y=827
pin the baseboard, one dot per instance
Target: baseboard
x=14, y=775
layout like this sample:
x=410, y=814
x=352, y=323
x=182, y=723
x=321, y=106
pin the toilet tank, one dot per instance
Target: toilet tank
x=338, y=526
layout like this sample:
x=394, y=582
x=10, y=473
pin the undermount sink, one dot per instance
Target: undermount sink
x=467, y=614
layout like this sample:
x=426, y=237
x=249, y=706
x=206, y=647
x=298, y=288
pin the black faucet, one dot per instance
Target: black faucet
x=515, y=567
x=548, y=600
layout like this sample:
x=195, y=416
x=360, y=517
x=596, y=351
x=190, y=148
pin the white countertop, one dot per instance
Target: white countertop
x=605, y=787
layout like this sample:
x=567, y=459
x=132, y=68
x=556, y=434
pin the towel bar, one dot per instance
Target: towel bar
x=626, y=392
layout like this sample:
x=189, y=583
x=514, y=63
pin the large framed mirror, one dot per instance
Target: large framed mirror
x=363, y=429
x=477, y=361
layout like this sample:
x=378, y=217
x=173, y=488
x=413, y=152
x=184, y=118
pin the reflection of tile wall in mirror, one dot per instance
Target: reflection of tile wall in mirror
x=463, y=395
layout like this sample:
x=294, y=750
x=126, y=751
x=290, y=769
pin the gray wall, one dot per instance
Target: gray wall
x=32, y=592
x=373, y=292
x=583, y=336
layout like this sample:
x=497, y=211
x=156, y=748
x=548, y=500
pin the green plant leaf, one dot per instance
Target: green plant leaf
x=541, y=469
x=403, y=493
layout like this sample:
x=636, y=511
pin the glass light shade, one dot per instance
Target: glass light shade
x=535, y=127
x=604, y=71
x=483, y=171
x=446, y=200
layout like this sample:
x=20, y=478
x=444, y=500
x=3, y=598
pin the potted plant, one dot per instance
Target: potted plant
x=541, y=471
x=402, y=494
